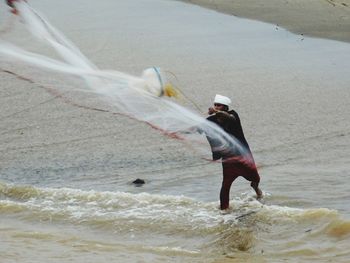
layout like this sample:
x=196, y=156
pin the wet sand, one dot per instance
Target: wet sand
x=317, y=18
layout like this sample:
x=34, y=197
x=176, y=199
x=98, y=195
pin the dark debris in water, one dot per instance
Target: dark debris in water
x=139, y=182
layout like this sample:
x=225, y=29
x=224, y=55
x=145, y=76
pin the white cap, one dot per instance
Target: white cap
x=222, y=100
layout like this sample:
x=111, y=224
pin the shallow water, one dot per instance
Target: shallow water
x=66, y=171
x=66, y=223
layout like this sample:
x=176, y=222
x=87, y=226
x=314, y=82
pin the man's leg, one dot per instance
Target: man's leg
x=250, y=173
x=253, y=176
x=258, y=191
x=225, y=192
x=229, y=176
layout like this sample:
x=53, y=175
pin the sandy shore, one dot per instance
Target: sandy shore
x=317, y=18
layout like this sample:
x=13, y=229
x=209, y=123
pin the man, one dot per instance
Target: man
x=234, y=165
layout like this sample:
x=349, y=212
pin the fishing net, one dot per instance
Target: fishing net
x=148, y=98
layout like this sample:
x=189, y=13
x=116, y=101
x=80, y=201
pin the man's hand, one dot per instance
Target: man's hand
x=211, y=111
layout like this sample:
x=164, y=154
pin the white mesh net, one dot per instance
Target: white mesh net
x=143, y=98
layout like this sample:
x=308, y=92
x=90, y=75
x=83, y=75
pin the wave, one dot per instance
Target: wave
x=164, y=215
x=79, y=205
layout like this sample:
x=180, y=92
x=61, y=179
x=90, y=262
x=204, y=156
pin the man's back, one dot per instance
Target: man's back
x=230, y=124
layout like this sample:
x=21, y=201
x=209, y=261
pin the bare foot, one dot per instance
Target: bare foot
x=259, y=194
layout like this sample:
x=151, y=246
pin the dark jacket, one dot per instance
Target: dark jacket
x=230, y=122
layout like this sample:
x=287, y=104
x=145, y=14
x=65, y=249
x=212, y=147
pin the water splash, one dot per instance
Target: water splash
x=197, y=226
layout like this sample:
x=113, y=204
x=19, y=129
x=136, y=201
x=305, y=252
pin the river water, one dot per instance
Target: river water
x=66, y=170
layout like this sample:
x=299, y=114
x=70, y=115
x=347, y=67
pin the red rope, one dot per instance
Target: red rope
x=172, y=135
x=57, y=94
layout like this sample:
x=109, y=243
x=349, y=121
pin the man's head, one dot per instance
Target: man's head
x=221, y=103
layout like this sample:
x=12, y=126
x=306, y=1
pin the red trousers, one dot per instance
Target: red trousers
x=232, y=168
